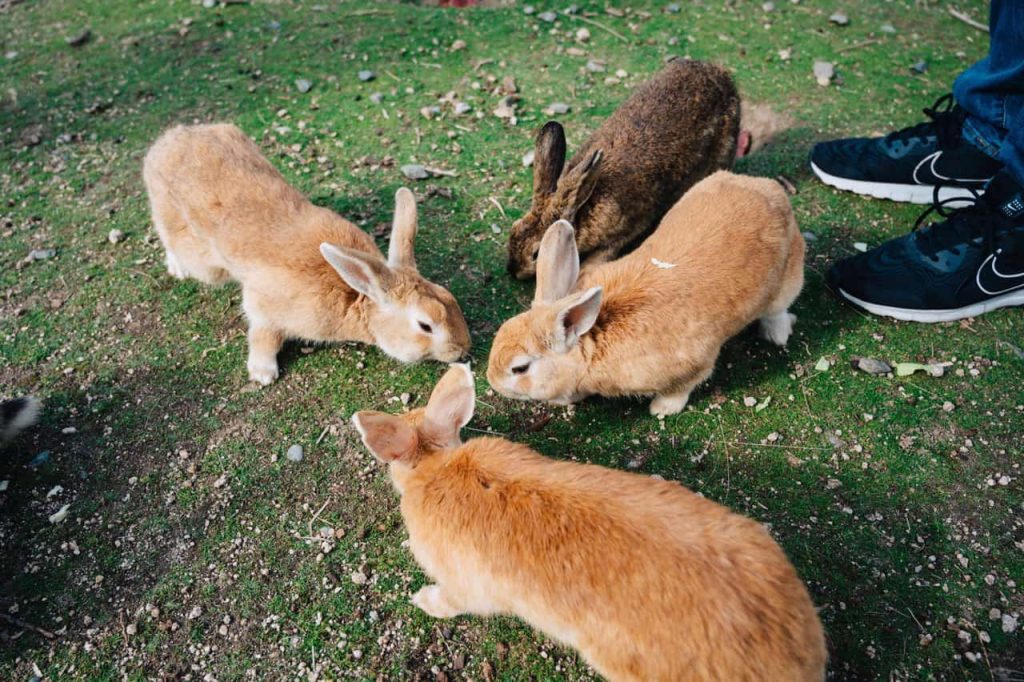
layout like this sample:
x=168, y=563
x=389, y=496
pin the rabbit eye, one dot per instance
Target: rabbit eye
x=536, y=252
x=426, y=327
x=521, y=369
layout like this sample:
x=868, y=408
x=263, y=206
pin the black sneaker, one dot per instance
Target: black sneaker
x=968, y=264
x=909, y=164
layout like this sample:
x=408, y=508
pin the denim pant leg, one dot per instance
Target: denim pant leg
x=992, y=91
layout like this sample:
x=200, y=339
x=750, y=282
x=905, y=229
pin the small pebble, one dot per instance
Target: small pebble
x=948, y=406
x=79, y=39
x=366, y=76
x=673, y=8
x=582, y=35
x=458, y=45
x=888, y=28
x=595, y=66
x=41, y=254
x=295, y=453
x=824, y=72
x=529, y=9
x=860, y=246
x=872, y=366
x=750, y=401
x=547, y=16
x=810, y=236
x=359, y=578
x=415, y=171
x=209, y=4
x=40, y=459
x=115, y=236
x=559, y=108
x=304, y=85
x=377, y=97
x=920, y=67
x=528, y=159
x=839, y=19
x=462, y=108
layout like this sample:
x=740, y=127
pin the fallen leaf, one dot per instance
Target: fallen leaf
x=905, y=369
x=60, y=515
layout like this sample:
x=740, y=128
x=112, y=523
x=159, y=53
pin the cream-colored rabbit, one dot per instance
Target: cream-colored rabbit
x=223, y=212
x=649, y=581
x=653, y=322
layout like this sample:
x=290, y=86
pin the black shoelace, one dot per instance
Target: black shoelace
x=961, y=225
x=947, y=119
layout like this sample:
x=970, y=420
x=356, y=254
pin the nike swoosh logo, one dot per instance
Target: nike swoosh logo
x=927, y=165
x=990, y=280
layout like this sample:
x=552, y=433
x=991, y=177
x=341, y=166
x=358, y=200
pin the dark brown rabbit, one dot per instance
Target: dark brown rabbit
x=673, y=131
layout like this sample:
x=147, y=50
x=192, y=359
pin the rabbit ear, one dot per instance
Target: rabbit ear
x=450, y=406
x=403, y=230
x=578, y=314
x=548, y=158
x=362, y=271
x=578, y=184
x=558, y=263
x=385, y=435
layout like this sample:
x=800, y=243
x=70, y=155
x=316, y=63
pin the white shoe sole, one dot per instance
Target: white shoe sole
x=1013, y=298
x=913, y=194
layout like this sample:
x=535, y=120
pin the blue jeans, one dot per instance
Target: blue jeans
x=992, y=91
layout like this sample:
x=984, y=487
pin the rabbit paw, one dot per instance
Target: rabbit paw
x=174, y=267
x=263, y=372
x=432, y=601
x=666, y=405
x=777, y=328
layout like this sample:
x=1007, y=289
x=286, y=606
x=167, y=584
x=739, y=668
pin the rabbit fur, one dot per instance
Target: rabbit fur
x=16, y=415
x=674, y=130
x=649, y=581
x=223, y=212
x=652, y=322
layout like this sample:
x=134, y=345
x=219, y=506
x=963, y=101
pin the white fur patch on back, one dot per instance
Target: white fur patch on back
x=662, y=264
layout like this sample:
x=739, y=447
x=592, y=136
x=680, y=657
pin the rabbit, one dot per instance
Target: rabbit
x=223, y=212
x=648, y=580
x=16, y=415
x=652, y=322
x=674, y=130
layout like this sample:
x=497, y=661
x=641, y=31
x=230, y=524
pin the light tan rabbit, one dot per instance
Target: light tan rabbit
x=223, y=212
x=653, y=322
x=649, y=581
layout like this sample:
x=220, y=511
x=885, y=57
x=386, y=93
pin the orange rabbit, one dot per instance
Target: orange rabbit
x=648, y=580
x=653, y=322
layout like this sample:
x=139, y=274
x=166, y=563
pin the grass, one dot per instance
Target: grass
x=183, y=553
